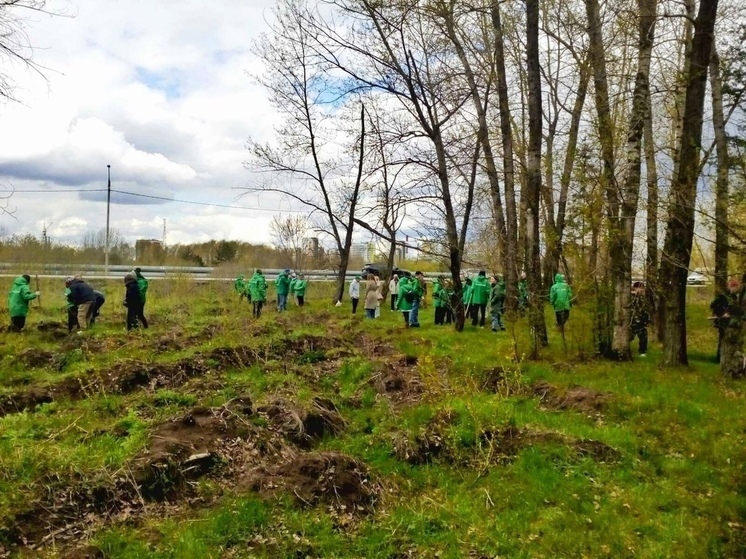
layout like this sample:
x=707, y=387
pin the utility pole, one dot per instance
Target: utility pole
x=108, y=208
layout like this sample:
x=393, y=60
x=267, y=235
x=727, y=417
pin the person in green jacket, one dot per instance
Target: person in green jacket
x=300, y=286
x=142, y=288
x=439, y=301
x=405, y=298
x=291, y=287
x=497, y=302
x=447, y=298
x=258, y=292
x=282, y=284
x=418, y=289
x=560, y=297
x=480, y=296
x=239, y=286
x=522, y=293
x=18, y=299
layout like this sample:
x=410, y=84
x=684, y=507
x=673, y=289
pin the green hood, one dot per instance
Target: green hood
x=559, y=278
x=19, y=297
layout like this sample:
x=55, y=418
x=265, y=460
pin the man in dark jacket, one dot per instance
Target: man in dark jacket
x=133, y=302
x=82, y=296
x=96, y=308
x=640, y=317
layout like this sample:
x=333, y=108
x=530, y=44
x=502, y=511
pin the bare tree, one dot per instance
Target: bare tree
x=303, y=165
x=15, y=44
x=289, y=236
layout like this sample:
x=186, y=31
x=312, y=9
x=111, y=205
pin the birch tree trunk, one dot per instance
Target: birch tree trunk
x=721, y=184
x=621, y=255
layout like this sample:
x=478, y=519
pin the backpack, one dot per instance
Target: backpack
x=409, y=296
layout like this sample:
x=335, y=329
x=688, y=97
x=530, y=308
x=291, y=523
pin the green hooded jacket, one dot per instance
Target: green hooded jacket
x=480, y=290
x=142, y=288
x=466, y=294
x=438, y=294
x=406, y=285
x=19, y=297
x=240, y=284
x=497, y=296
x=560, y=295
x=257, y=286
x=282, y=283
x=299, y=287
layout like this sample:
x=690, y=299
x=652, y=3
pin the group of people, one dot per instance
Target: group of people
x=478, y=295
x=373, y=295
x=287, y=284
x=83, y=302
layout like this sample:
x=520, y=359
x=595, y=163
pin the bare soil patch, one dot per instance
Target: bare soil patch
x=576, y=398
x=303, y=427
x=34, y=358
x=327, y=478
x=398, y=380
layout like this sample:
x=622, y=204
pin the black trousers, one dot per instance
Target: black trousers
x=393, y=302
x=72, y=318
x=354, y=305
x=562, y=317
x=301, y=300
x=257, y=309
x=17, y=323
x=440, y=315
x=641, y=333
x=478, y=313
x=134, y=313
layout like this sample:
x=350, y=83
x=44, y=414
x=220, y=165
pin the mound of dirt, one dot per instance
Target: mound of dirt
x=303, y=427
x=429, y=444
x=25, y=400
x=186, y=448
x=52, y=330
x=34, y=358
x=327, y=478
x=398, y=381
x=575, y=398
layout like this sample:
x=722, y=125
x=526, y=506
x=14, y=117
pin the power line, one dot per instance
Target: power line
x=150, y=196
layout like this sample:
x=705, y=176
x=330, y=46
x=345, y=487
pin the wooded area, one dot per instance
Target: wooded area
x=535, y=137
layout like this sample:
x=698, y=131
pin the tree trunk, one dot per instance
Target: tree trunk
x=621, y=258
x=651, y=253
x=597, y=54
x=510, y=266
x=721, y=184
x=344, y=250
x=677, y=248
x=537, y=320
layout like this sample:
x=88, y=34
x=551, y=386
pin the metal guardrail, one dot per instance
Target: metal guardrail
x=96, y=271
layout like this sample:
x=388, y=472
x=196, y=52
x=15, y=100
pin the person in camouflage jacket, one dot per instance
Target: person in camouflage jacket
x=640, y=317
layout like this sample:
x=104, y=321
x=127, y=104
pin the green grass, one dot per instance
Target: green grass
x=675, y=488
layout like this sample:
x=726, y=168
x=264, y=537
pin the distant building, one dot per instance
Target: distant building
x=150, y=251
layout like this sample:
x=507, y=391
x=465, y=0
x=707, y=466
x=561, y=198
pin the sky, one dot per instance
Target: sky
x=161, y=91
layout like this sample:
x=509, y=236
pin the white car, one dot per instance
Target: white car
x=696, y=278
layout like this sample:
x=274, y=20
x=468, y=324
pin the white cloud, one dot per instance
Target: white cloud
x=159, y=91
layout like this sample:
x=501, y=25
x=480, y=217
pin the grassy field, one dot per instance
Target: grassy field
x=316, y=433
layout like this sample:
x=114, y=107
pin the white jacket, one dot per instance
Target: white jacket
x=392, y=287
x=354, y=289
